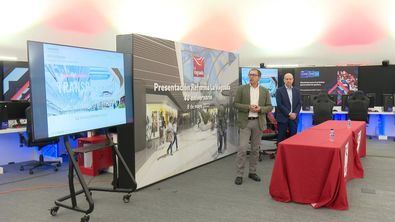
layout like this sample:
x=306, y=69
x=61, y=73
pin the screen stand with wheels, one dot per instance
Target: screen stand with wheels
x=73, y=166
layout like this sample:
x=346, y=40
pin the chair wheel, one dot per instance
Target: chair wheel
x=54, y=210
x=56, y=169
x=85, y=218
x=126, y=198
x=31, y=172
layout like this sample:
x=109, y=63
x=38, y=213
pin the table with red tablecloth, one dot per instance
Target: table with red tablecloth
x=311, y=169
x=358, y=129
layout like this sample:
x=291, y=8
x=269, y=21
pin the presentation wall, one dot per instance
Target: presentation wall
x=183, y=112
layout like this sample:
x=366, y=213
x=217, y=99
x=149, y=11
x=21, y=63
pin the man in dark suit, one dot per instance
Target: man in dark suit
x=252, y=103
x=288, y=107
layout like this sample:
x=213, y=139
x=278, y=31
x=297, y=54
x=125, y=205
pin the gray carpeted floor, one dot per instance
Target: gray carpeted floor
x=207, y=193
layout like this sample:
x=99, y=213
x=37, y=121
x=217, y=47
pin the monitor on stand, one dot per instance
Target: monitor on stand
x=372, y=99
x=388, y=102
x=306, y=102
x=12, y=110
x=344, y=102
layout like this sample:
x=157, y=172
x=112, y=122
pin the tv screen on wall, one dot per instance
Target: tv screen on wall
x=16, y=84
x=77, y=89
x=335, y=80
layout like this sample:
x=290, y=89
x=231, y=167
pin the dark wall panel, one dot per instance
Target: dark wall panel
x=377, y=79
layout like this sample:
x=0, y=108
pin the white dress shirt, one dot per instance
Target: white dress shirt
x=254, y=99
x=289, y=91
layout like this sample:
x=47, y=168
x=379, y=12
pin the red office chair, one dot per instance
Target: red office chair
x=270, y=134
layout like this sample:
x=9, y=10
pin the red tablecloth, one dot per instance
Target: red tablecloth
x=311, y=169
x=357, y=127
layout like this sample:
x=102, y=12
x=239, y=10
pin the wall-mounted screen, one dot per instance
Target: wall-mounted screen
x=78, y=89
x=16, y=81
x=336, y=80
x=269, y=80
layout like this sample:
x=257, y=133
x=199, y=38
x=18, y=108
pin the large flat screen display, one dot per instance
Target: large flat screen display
x=16, y=81
x=78, y=89
x=336, y=80
x=269, y=80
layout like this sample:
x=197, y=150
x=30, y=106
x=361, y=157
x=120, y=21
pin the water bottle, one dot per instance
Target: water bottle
x=332, y=135
x=349, y=123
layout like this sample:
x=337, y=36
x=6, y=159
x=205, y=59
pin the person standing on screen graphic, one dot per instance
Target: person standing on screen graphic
x=288, y=107
x=170, y=136
x=175, y=133
x=252, y=103
x=161, y=129
x=221, y=128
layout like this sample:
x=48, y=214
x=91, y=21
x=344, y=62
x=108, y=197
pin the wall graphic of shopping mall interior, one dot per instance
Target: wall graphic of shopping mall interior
x=187, y=119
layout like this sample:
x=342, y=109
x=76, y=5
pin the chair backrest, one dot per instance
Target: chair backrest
x=29, y=130
x=358, y=105
x=271, y=132
x=322, y=109
x=321, y=96
x=271, y=118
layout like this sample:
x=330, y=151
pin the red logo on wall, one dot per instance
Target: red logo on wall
x=198, y=66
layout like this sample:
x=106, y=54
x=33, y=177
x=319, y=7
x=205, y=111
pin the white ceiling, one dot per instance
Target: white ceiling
x=303, y=32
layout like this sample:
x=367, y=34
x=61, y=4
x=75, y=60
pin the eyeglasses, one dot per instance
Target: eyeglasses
x=252, y=74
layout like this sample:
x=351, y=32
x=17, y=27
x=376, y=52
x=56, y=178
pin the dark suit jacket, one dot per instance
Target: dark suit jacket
x=242, y=103
x=284, y=106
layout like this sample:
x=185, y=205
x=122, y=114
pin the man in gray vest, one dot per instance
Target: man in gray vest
x=252, y=103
